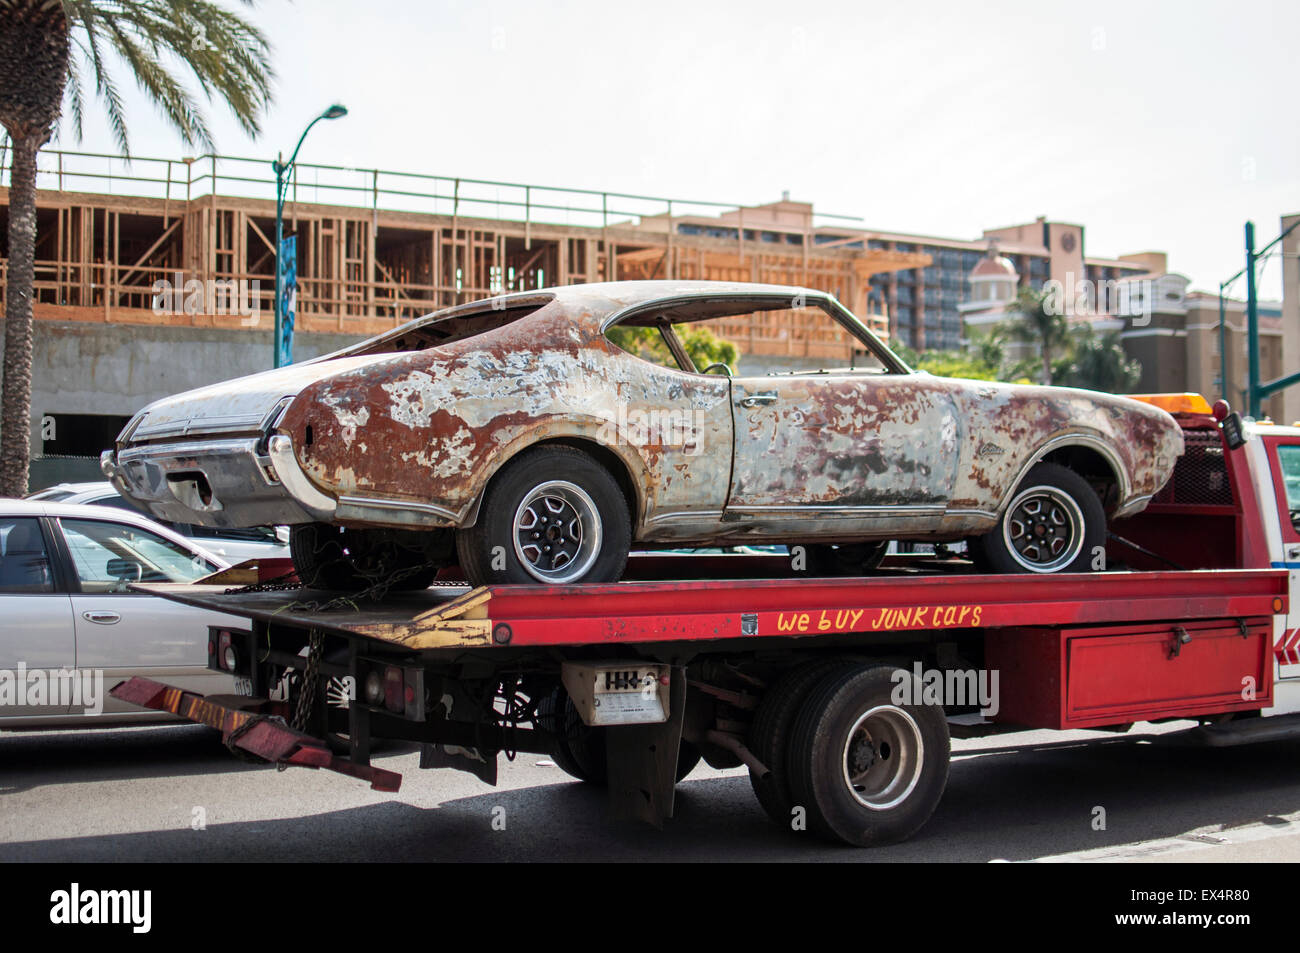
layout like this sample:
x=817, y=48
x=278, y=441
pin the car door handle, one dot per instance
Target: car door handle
x=754, y=400
x=101, y=616
x=1293, y=552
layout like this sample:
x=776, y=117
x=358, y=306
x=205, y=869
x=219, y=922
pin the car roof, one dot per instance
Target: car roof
x=606, y=297
x=13, y=508
x=591, y=303
x=70, y=488
x=92, y=491
x=614, y=296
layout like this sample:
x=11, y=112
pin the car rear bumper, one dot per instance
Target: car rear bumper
x=229, y=482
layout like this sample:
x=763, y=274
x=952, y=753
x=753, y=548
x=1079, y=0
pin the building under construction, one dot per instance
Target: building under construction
x=378, y=248
x=158, y=275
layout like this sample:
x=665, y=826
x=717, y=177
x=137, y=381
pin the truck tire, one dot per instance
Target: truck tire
x=1054, y=523
x=868, y=771
x=857, y=559
x=770, y=731
x=339, y=559
x=579, y=750
x=553, y=515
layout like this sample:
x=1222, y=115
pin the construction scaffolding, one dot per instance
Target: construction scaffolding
x=376, y=248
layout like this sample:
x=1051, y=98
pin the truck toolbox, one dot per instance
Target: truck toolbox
x=1080, y=677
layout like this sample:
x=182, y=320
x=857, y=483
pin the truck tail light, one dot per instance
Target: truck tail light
x=394, y=689
x=224, y=652
x=374, y=689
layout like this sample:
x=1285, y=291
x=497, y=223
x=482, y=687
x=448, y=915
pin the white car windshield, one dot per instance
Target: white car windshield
x=110, y=556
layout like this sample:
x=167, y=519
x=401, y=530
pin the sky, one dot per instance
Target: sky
x=1157, y=126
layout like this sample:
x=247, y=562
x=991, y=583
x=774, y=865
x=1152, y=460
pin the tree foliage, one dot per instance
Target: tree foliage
x=51, y=52
x=702, y=345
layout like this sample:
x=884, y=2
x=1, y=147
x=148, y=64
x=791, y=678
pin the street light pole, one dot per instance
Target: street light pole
x=285, y=356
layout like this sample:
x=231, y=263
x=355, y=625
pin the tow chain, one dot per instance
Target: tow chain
x=271, y=585
x=307, y=689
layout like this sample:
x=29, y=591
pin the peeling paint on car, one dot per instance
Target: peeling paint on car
x=834, y=456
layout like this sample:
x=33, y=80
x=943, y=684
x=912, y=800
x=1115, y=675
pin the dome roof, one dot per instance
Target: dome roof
x=994, y=267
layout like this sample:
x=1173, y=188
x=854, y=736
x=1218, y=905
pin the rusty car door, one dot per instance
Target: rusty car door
x=858, y=452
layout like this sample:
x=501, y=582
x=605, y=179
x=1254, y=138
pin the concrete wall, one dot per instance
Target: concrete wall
x=83, y=368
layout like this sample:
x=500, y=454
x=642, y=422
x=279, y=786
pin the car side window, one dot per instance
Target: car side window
x=646, y=343
x=110, y=556
x=24, y=560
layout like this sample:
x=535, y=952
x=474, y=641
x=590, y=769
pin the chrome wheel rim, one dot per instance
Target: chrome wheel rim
x=1043, y=529
x=882, y=758
x=557, y=532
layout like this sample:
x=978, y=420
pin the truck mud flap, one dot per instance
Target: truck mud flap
x=250, y=725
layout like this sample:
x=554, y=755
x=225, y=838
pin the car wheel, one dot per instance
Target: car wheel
x=552, y=515
x=867, y=770
x=339, y=559
x=1054, y=523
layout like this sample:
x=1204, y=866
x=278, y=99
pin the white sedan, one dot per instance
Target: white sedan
x=70, y=627
x=232, y=545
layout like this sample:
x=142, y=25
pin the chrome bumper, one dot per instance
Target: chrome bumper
x=218, y=482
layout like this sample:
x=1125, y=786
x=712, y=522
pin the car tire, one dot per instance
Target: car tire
x=552, y=515
x=338, y=559
x=867, y=770
x=1054, y=523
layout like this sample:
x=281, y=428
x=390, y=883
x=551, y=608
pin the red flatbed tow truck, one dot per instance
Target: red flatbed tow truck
x=839, y=694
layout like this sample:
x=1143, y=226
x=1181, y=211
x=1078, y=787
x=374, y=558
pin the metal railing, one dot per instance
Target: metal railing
x=371, y=189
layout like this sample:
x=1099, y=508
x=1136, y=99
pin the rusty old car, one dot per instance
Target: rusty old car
x=537, y=437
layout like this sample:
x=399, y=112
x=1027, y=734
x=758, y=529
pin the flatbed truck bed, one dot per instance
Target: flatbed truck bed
x=839, y=694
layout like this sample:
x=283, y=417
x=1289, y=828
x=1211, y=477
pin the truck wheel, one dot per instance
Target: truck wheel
x=552, y=515
x=770, y=731
x=867, y=770
x=858, y=559
x=688, y=756
x=1054, y=523
x=579, y=750
x=346, y=560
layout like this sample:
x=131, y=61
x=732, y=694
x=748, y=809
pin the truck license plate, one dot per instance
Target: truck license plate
x=618, y=693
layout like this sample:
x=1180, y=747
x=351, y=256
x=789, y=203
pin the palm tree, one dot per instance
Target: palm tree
x=1099, y=363
x=46, y=47
x=1039, y=325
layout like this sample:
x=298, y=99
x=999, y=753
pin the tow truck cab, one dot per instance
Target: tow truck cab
x=1233, y=502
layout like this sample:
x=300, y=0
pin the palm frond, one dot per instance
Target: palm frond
x=227, y=57
x=76, y=101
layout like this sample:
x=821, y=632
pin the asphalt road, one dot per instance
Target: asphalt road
x=139, y=794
